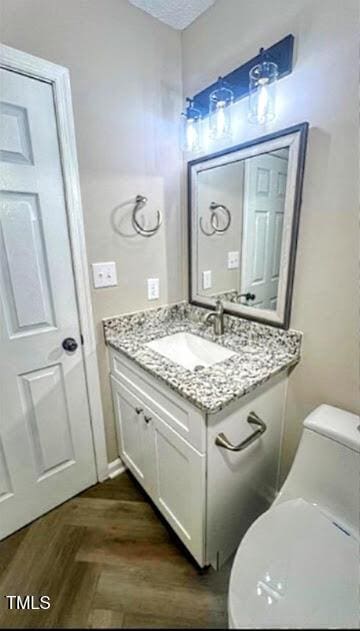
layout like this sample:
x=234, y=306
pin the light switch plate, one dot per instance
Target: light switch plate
x=233, y=260
x=104, y=274
x=206, y=279
x=153, y=287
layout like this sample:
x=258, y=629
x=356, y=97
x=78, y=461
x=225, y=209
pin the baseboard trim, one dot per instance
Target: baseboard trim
x=115, y=468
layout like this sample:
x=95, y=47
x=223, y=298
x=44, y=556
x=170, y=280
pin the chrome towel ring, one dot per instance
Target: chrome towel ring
x=214, y=220
x=140, y=202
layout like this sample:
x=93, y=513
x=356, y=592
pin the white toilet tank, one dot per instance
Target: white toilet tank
x=326, y=469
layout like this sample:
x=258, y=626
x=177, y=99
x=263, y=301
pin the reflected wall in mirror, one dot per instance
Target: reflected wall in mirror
x=244, y=206
x=243, y=255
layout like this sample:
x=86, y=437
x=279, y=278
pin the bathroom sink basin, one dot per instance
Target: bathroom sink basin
x=190, y=351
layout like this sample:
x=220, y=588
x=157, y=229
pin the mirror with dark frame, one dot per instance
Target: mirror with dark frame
x=244, y=206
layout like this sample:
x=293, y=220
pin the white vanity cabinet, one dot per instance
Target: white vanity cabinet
x=209, y=495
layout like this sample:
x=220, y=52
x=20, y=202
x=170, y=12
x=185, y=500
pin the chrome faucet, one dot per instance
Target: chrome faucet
x=218, y=317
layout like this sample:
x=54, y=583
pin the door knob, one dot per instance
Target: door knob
x=69, y=344
x=139, y=410
x=147, y=419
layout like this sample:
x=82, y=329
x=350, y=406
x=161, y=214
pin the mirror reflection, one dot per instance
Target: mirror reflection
x=240, y=229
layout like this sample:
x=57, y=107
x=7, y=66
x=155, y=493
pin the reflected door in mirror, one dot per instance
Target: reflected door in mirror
x=263, y=218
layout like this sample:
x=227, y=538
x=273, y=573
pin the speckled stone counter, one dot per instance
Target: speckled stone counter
x=263, y=351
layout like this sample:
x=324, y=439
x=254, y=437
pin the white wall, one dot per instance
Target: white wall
x=323, y=89
x=125, y=70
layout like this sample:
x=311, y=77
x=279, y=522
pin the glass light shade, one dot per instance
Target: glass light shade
x=262, y=92
x=220, y=112
x=191, y=128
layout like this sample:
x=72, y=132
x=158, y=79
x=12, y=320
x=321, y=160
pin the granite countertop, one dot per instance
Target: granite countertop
x=263, y=351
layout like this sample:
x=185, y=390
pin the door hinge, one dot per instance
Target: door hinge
x=82, y=339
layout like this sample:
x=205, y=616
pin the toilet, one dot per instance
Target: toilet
x=298, y=564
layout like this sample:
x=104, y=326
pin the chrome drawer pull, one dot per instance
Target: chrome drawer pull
x=252, y=419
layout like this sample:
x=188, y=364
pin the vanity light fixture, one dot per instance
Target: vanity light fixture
x=220, y=101
x=191, y=127
x=262, y=90
x=210, y=109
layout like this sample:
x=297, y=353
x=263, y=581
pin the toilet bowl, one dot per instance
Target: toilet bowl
x=298, y=564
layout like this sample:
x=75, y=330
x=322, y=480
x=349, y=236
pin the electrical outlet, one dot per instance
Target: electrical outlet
x=233, y=260
x=153, y=288
x=104, y=274
x=206, y=279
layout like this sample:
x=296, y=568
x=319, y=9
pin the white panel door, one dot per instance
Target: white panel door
x=46, y=450
x=264, y=203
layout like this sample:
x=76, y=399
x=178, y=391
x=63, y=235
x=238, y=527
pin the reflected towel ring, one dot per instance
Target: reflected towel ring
x=214, y=207
x=140, y=202
x=214, y=220
x=208, y=234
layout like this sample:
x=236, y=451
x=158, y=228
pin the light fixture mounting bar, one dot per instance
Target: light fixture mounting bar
x=280, y=53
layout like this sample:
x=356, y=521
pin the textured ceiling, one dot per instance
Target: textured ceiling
x=176, y=13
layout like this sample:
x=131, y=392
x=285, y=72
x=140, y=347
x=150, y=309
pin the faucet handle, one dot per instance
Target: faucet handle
x=219, y=306
x=209, y=316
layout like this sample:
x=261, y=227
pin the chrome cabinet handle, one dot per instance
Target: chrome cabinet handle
x=147, y=419
x=252, y=419
x=139, y=410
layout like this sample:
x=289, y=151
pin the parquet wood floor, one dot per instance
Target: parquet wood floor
x=107, y=560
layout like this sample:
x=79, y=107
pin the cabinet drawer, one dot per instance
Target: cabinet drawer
x=184, y=418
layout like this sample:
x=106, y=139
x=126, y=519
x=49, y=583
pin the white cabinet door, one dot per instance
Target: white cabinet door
x=46, y=450
x=180, y=486
x=167, y=467
x=134, y=434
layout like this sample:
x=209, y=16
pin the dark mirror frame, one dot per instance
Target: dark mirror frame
x=302, y=130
